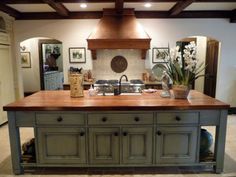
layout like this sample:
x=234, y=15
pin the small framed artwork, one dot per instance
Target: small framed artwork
x=25, y=60
x=77, y=55
x=160, y=55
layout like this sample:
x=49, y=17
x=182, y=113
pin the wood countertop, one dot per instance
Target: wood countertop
x=61, y=101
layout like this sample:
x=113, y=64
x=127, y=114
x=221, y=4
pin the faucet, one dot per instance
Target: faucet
x=120, y=82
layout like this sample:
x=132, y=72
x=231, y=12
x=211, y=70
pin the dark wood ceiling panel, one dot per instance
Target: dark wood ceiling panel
x=101, y=1
x=233, y=16
x=138, y=14
x=10, y=11
x=119, y=5
x=53, y=15
x=76, y=1
x=59, y=7
x=180, y=6
x=184, y=14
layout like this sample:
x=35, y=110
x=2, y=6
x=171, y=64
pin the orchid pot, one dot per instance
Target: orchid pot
x=180, y=91
x=184, y=69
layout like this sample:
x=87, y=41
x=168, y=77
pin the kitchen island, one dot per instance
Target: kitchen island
x=117, y=131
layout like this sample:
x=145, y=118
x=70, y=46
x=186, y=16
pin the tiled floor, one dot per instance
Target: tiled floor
x=229, y=169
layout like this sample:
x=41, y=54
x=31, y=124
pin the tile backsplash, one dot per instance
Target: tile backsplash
x=102, y=65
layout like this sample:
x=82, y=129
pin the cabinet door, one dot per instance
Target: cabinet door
x=104, y=145
x=137, y=145
x=176, y=145
x=61, y=145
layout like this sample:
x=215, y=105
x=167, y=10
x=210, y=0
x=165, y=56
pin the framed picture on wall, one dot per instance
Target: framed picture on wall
x=160, y=55
x=77, y=55
x=25, y=60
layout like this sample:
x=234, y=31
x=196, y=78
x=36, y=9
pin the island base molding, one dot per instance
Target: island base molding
x=117, y=138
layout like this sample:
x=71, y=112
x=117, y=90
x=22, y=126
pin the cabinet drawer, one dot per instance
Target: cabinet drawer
x=105, y=119
x=177, y=118
x=60, y=119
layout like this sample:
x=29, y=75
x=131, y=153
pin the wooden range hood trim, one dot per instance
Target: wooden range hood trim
x=119, y=31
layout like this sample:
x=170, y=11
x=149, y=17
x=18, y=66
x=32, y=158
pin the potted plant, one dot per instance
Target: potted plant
x=183, y=70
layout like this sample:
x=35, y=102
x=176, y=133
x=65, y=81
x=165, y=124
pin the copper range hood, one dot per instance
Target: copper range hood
x=119, y=31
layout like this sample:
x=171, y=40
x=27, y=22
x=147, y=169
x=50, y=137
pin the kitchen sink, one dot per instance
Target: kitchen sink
x=111, y=94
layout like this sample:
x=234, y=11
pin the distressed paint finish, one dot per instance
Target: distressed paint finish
x=15, y=143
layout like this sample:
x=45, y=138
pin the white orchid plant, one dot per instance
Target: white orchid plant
x=184, y=70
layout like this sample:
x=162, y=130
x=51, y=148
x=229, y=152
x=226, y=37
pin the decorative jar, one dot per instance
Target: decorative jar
x=76, y=85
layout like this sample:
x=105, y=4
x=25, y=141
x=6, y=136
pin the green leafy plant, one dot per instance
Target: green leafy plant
x=184, y=70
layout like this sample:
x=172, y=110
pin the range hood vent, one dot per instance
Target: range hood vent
x=119, y=31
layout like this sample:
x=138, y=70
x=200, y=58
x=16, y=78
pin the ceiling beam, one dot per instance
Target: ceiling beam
x=10, y=11
x=54, y=15
x=59, y=7
x=138, y=14
x=119, y=6
x=216, y=1
x=233, y=16
x=100, y=1
x=184, y=14
x=179, y=7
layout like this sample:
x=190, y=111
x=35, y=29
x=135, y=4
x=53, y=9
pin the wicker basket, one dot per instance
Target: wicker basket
x=76, y=85
x=180, y=91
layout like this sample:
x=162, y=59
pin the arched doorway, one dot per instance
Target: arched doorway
x=41, y=64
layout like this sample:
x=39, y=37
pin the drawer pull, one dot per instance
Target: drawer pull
x=104, y=119
x=116, y=134
x=125, y=133
x=82, y=133
x=177, y=118
x=137, y=119
x=59, y=119
x=159, y=133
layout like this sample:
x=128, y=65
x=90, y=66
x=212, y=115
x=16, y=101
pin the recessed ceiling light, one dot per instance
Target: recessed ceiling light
x=147, y=5
x=83, y=5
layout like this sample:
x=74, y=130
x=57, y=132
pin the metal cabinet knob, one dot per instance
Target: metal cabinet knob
x=136, y=119
x=125, y=133
x=116, y=134
x=59, y=119
x=82, y=133
x=104, y=119
x=177, y=118
x=159, y=133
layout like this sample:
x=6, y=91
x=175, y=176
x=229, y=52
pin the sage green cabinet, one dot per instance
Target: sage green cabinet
x=135, y=148
x=61, y=145
x=137, y=145
x=176, y=145
x=104, y=145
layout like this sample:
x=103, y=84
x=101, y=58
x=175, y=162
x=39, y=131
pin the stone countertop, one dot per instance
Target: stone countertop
x=61, y=101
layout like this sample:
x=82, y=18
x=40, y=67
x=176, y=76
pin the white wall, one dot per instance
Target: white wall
x=201, y=56
x=30, y=76
x=73, y=33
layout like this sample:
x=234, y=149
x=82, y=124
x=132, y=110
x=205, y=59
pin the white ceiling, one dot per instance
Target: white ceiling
x=32, y=7
x=138, y=6
x=211, y=6
x=155, y=6
x=90, y=6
